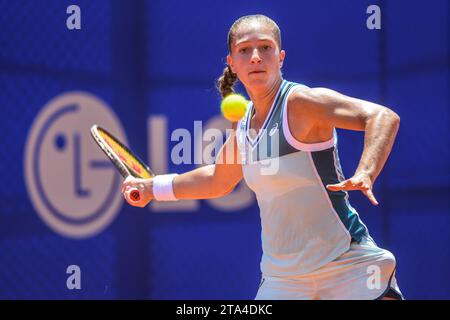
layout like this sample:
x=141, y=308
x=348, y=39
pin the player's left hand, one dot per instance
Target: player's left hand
x=144, y=187
x=361, y=181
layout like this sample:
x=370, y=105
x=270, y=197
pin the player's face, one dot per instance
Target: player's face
x=255, y=56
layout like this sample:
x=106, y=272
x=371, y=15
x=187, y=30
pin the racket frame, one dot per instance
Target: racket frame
x=134, y=194
x=111, y=154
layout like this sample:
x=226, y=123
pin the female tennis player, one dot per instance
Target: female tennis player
x=315, y=245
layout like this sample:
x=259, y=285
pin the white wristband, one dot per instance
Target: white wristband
x=162, y=187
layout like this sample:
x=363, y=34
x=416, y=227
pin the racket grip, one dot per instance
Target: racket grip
x=134, y=195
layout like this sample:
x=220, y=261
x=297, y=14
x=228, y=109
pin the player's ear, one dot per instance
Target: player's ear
x=230, y=63
x=282, y=56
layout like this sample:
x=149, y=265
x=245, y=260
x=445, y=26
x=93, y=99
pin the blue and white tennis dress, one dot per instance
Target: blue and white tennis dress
x=315, y=245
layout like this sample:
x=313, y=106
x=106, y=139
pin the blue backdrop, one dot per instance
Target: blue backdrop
x=146, y=68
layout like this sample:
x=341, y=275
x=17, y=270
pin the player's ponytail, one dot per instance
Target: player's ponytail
x=226, y=82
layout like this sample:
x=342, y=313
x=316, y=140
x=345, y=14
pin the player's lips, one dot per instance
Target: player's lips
x=256, y=72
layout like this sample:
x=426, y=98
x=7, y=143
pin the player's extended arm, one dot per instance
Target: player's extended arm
x=332, y=109
x=210, y=181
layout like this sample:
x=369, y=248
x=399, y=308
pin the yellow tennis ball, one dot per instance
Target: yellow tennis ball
x=233, y=107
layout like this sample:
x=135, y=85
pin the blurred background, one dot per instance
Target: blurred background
x=145, y=68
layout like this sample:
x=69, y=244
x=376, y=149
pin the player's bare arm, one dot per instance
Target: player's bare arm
x=319, y=110
x=210, y=181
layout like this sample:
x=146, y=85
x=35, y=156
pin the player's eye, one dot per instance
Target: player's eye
x=243, y=50
x=266, y=47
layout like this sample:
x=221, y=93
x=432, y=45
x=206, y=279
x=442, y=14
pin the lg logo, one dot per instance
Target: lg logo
x=72, y=187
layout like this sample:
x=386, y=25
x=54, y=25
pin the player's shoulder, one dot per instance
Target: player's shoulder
x=302, y=93
x=308, y=103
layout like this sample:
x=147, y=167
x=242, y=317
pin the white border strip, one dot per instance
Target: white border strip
x=311, y=147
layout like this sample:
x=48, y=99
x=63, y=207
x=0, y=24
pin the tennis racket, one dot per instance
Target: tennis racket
x=122, y=158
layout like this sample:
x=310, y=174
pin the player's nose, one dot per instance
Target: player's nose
x=255, y=56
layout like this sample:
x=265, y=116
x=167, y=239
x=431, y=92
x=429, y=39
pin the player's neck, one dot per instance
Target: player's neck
x=263, y=99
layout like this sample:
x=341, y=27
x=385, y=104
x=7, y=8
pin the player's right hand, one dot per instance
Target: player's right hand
x=143, y=185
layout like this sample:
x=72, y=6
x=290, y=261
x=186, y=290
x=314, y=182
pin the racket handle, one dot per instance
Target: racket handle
x=134, y=195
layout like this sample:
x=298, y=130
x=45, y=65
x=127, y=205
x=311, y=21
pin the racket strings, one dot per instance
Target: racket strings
x=133, y=164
